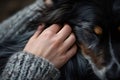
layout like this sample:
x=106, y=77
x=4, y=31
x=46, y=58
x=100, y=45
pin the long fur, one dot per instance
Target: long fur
x=81, y=15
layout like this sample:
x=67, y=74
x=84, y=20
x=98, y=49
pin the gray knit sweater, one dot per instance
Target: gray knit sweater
x=23, y=65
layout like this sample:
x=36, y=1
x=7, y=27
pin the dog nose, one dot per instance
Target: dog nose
x=113, y=73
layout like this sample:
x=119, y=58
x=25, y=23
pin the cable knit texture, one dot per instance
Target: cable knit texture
x=26, y=66
x=18, y=23
x=23, y=65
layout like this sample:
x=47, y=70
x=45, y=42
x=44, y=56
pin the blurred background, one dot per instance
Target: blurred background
x=10, y=7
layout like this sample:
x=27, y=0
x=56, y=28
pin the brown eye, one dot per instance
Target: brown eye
x=98, y=30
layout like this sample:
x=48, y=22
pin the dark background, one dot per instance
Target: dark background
x=10, y=7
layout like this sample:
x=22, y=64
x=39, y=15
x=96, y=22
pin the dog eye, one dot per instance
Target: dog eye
x=98, y=30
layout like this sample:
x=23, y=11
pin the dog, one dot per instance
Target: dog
x=96, y=24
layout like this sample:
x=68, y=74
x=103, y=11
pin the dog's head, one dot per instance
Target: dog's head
x=96, y=24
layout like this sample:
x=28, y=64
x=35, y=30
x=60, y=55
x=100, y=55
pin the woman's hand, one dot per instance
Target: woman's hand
x=55, y=44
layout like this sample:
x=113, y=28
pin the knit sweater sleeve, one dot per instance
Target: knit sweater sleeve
x=26, y=66
x=18, y=23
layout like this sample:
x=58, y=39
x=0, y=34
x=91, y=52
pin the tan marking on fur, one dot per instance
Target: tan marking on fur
x=98, y=30
x=97, y=60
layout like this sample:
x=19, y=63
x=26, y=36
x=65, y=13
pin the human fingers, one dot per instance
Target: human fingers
x=62, y=59
x=71, y=52
x=69, y=41
x=50, y=31
x=64, y=32
x=38, y=31
x=53, y=28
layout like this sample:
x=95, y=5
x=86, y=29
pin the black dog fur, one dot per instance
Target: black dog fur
x=83, y=16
